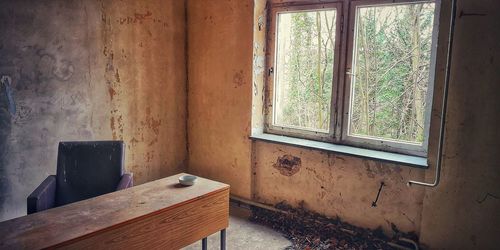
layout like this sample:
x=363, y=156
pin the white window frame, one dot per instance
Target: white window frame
x=341, y=88
x=270, y=97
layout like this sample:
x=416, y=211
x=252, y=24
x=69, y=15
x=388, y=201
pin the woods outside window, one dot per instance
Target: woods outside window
x=360, y=74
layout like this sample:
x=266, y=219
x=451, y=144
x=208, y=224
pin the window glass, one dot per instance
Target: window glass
x=304, y=63
x=391, y=62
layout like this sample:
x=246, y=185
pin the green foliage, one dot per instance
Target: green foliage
x=392, y=50
x=307, y=67
x=392, y=71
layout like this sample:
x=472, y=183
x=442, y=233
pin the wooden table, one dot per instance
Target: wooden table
x=156, y=215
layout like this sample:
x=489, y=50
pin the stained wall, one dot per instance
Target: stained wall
x=90, y=70
x=113, y=69
x=338, y=185
x=220, y=91
x=220, y=45
x=463, y=212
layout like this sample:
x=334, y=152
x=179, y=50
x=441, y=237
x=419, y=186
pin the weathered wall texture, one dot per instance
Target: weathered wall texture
x=116, y=70
x=338, y=185
x=90, y=70
x=259, y=66
x=220, y=90
x=219, y=46
x=145, y=80
x=464, y=211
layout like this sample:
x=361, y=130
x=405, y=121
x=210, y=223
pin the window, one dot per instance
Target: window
x=370, y=86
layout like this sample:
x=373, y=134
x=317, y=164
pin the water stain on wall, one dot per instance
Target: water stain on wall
x=288, y=165
x=46, y=62
x=78, y=74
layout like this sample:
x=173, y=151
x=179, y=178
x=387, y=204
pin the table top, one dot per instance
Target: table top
x=88, y=217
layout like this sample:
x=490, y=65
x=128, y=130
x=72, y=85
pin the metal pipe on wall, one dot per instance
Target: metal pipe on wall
x=444, y=104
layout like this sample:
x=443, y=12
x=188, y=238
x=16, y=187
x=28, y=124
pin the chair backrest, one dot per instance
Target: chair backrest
x=88, y=169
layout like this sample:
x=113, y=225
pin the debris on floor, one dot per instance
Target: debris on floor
x=308, y=230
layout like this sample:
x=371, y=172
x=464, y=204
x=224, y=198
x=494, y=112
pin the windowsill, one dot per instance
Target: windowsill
x=400, y=159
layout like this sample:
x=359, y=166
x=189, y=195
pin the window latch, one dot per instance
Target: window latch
x=271, y=70
x=349, y=72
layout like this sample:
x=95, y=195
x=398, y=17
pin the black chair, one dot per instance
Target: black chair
x=84, y=170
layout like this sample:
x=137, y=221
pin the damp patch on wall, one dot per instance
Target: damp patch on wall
x=288, y=165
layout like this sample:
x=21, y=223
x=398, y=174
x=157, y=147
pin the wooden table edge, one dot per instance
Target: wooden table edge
x=127, y=222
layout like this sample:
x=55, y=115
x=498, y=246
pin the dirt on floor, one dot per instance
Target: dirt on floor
x=308, y=230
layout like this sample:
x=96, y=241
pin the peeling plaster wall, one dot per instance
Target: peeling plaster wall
x=116, y=70
x=219, y=46
x=90, y=70
x=143, y=50
x=338, y=185
x=220, y=91
x=259, y=65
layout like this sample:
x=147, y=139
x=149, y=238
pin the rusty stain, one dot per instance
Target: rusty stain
x=142, y=17
x=117, y=76
x=112, y=124
x=210, y=19
x=116, y=124
x=238, y=79
x=152, y=123
x=149, y=156
x=109, y=64
x=120, y=124
x=136, y=170
x=155, y=140
x=288, y=165
x=133, y=141
x=112, y=93
x=137, y=18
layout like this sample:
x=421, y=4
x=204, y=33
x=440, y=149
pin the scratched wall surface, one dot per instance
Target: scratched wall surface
x=90, y=70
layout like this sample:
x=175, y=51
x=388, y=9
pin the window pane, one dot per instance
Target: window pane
x=304, y=69
x=392, y=55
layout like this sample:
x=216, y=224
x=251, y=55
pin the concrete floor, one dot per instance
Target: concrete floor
x=243, y=234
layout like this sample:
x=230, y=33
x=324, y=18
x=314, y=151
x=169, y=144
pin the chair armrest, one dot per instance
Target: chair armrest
x=43, y=197
x=126, y=182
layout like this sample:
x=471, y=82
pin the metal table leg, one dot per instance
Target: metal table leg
x=223, y=239
x=204, y=244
